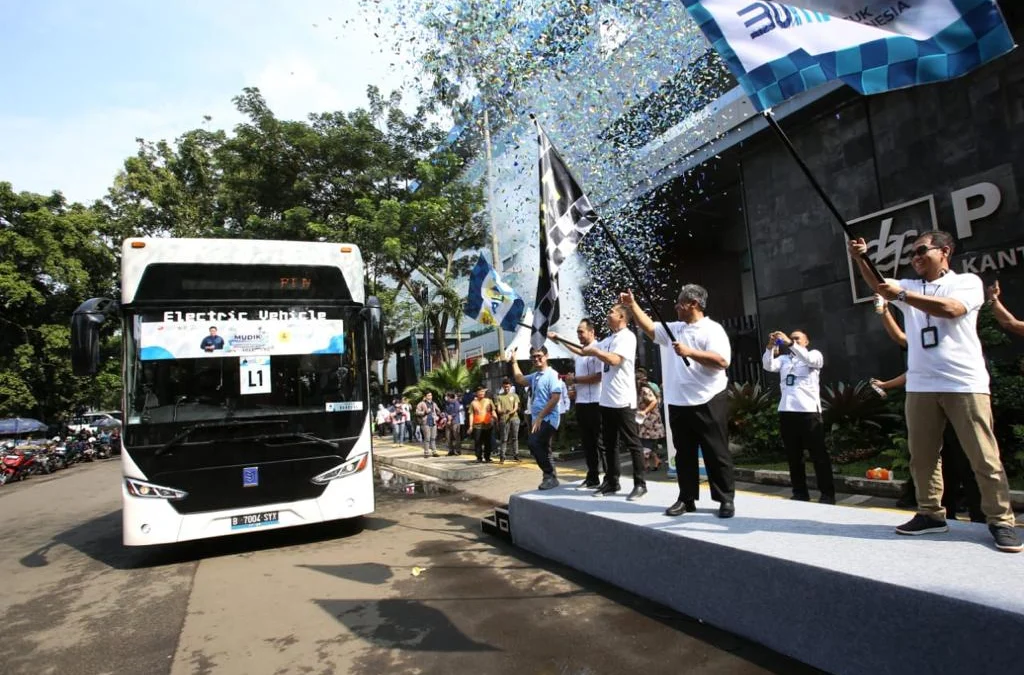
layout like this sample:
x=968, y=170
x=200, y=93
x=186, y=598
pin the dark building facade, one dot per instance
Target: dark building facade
x=946, y=156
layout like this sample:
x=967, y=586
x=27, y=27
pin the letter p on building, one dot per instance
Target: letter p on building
x=971, y=204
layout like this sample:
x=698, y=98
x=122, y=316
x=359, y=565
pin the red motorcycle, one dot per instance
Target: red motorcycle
x=16, y=465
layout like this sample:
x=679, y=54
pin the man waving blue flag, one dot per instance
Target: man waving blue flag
x=778, y=50
x=491, y=301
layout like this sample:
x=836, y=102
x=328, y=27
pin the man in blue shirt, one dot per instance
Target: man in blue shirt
x=545, y=390
x=212, y=341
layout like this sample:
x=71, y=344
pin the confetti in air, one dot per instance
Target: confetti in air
x=616, y=83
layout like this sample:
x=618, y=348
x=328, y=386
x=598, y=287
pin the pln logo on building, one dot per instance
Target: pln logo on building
x=890, y=235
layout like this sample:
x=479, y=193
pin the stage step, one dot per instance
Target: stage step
x=831, y=586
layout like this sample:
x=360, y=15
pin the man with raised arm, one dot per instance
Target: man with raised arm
x=697, y=401
x=544, y=416
x=617, y=355
x=946, y=382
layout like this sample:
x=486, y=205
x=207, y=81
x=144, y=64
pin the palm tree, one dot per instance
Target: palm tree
x=449, y=376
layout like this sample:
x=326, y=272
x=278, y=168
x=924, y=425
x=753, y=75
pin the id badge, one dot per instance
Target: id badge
x=930, y=337
x=790, y=380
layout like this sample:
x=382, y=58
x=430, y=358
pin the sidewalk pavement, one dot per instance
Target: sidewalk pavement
x=495, y=482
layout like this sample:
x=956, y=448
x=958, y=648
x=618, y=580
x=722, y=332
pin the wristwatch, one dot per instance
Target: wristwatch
x=902, y=296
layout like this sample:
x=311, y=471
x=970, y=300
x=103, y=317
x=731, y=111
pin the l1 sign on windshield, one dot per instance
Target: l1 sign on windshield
x=167, y=340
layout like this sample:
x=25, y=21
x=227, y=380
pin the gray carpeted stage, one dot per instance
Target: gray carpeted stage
x=831, y=586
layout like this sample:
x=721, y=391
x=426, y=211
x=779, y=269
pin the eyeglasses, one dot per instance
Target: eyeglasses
x=921, y=250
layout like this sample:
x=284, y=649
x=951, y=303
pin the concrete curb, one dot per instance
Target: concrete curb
x=891, y=489
x=449, y=475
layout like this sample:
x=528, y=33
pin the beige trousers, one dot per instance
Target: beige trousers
x=971, y=417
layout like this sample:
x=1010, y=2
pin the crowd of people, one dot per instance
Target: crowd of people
x=953, y=448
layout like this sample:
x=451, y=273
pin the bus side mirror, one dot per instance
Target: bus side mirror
x=85, y=335
x=374, y=328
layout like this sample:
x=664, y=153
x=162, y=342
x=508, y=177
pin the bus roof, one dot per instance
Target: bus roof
x=138, y=253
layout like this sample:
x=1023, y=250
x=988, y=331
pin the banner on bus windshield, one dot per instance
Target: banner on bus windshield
x=164, y=340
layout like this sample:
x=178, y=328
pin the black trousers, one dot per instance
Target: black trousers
x=540, y=447
x=706, y=426
x=619, y=423
x=482, y=437
x=805, y=431
x=589, y=417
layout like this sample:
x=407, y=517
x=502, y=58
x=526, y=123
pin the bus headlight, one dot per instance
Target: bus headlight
x=350, y=466
x=140, y=488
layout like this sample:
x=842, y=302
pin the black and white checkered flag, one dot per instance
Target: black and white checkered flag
x=565, y=217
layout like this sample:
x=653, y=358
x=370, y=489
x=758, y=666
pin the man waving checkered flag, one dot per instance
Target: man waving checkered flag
x=565, y=217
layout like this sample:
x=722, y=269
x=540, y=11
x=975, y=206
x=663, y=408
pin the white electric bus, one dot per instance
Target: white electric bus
x=246, y=385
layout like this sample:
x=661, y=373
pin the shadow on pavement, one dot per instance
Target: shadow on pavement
x=402, y=624
x=100, y=539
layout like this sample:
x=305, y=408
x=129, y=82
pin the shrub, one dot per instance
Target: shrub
x=856, y=421
x=753, y=420
x=898, y=453
x=450, y=376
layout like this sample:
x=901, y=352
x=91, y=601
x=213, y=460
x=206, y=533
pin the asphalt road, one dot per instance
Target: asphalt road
x=417, y=589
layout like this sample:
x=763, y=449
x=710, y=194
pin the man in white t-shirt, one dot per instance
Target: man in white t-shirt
x=698, y=406
x=946, y=381
x=586, y=382
x=617, y=354
x=800, y=411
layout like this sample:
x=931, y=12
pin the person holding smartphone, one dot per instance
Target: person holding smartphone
x=800, y=411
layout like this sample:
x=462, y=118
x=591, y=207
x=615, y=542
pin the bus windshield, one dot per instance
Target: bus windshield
x=223, y=364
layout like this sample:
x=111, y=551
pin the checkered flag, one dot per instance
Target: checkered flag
x=565, y=217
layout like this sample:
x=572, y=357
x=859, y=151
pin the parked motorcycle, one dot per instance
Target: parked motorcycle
x=17, y=464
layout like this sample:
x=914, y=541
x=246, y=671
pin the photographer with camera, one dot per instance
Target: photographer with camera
x=800, y=422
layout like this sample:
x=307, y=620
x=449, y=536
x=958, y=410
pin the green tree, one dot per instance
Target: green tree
x=52, y=256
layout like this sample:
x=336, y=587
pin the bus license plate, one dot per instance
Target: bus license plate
x=253, y=520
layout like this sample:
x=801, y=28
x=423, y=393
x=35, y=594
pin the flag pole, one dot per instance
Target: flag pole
x=561, y=339
x=495, y=258
x=636, y=281
x=622, y=257
x=770, y=118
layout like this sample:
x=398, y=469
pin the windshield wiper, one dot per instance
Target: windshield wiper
x=180, y=438
x=297, y=434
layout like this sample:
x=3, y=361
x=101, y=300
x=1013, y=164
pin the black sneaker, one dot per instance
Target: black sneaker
x=921, y=524
x=827, y=499
x=607, y=489
x=1006, y=538
x=726, y=510
x=549, y=482
x=589, y=485
x=801, y=498
x=638, y=493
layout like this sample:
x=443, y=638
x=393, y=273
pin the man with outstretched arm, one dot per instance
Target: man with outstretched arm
x=544, y=416
x=697, y=401
x=946, y=382
x=617, y=354
x=586, y=379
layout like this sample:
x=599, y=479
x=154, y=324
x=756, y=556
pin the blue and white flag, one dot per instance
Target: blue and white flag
x=778, y=50
x=491, y=301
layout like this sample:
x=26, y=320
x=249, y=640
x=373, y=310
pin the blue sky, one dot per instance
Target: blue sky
x=83, y=80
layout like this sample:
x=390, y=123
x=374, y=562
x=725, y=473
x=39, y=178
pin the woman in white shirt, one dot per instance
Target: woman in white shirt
x=800, y=411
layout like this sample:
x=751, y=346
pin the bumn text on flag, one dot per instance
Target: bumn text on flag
x=777, y=50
